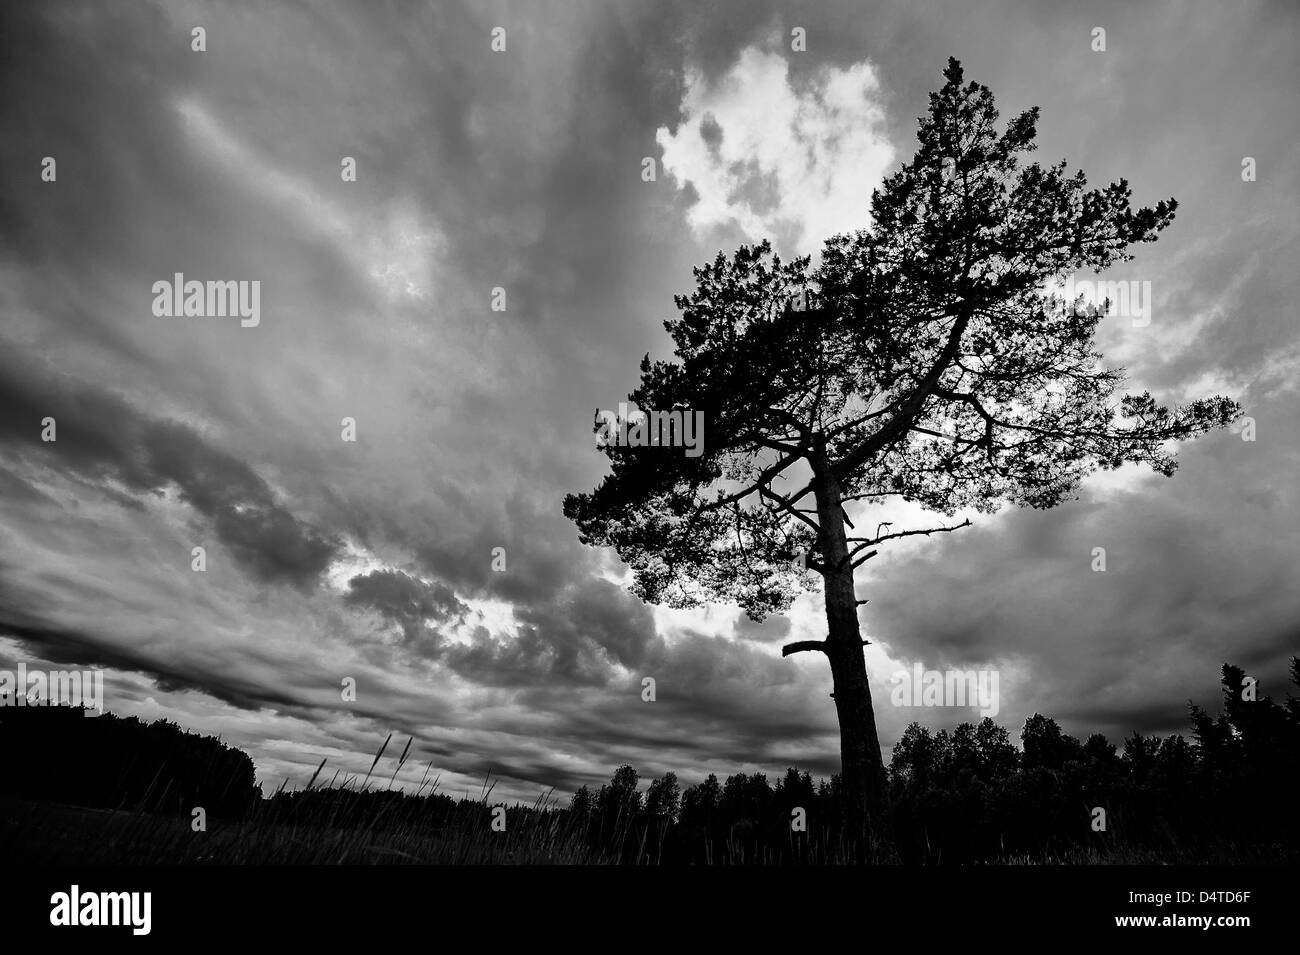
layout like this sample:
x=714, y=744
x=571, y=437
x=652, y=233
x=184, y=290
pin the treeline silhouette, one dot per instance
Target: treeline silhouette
x=59, y=754
x=969, y=795
x=962, y=796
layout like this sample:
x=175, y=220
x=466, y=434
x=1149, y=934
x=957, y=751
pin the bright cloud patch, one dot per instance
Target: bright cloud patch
x=796, y=165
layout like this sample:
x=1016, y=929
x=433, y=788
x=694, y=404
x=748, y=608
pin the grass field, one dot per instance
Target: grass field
x=34, y=833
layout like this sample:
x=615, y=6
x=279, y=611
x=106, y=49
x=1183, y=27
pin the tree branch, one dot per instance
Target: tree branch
x=801, y=645
x=785, y=505
x=864, y=542
x=759, y=484
x=903, y=420
x=863, y=559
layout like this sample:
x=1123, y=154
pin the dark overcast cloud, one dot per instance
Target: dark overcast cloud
x=105, y=441
x=373, y=560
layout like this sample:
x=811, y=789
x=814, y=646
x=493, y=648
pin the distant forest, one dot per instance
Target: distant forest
x=961, y=796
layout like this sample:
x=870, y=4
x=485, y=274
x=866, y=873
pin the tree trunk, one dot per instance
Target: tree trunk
x=862, y=771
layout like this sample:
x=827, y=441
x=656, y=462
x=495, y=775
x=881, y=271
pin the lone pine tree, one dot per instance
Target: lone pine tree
x=930, y=366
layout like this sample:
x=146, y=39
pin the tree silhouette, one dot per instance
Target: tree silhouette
x=620, y=799
x=929, y=365
x=663, y=798
x=582, y=802
x=700, y=803
x=1045, y=745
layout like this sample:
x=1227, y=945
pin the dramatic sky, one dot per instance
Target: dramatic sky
x=521, y=170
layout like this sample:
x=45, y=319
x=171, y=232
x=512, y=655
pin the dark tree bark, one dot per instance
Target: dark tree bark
x=862, y=769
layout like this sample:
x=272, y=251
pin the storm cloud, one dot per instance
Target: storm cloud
x=428, y=561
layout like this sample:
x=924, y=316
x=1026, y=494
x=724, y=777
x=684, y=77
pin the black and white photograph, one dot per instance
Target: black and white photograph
x=768, y=434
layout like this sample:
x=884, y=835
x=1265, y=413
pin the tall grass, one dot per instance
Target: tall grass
x=347, y=824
